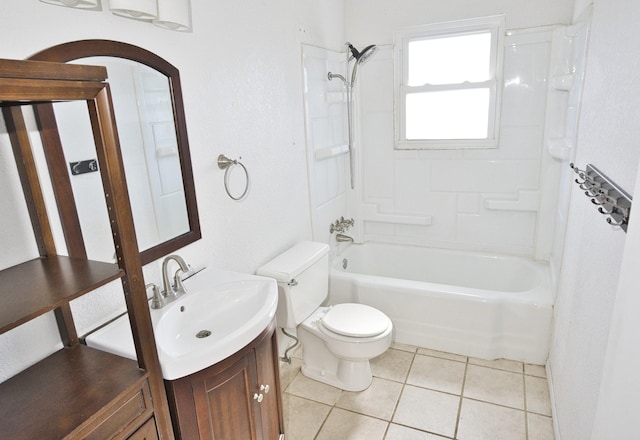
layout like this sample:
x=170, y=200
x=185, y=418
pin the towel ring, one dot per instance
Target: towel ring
x=224, y=163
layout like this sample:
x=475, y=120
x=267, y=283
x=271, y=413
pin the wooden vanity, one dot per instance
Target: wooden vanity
x=236, y=399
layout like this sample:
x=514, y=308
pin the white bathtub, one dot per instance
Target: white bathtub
x=480, y=305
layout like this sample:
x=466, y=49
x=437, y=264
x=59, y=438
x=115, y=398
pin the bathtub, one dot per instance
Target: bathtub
x=474, y=304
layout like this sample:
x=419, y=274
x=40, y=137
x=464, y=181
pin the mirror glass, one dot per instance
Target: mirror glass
x=147, y=102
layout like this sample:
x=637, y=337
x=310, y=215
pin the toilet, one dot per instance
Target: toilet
x=337, y=341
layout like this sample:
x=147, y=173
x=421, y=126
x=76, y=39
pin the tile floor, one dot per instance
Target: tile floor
x=420, y=394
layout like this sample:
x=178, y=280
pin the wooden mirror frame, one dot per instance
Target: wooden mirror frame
x=71, y=51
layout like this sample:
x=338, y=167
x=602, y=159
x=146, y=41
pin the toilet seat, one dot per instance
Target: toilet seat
x=355, y=320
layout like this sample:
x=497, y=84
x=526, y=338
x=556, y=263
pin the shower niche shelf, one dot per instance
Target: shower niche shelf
x=328, y=152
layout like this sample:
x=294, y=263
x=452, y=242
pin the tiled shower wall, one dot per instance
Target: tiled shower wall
x=499, y=200
x=468, y=199
x=326, y=137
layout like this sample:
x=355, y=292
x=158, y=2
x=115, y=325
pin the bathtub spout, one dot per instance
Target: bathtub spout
x=340, y=238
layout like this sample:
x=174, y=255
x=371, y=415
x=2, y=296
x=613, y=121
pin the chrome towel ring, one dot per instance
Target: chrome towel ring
x=224, y=163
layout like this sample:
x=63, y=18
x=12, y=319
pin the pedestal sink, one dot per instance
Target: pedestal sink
x=221, y=312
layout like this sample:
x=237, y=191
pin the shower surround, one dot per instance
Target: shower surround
x=498, y=200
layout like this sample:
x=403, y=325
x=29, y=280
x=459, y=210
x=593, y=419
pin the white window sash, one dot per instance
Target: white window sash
x=494, y=25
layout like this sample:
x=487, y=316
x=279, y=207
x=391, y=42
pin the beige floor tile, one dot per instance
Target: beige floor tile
x=442, y=354
x=302, y=386
x=537, y=392
x=437, y=374
x=397, y=432
x=379, y=400
x=303, y=418
x=540, y=427
x=495, y=386
x=404, y=347
x=289, y=371
x=392, y=365
x=345, y=425
x=427, y=410
x=500, y=364
x=427, y=407
x=484, y=421
x=535, y=370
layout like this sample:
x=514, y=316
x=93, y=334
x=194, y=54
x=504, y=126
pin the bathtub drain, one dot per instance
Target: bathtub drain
x=344, y=263
x=203, y=334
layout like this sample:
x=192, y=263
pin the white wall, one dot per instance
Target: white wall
x=592, y=329
x=242, y=86
x=374, y=22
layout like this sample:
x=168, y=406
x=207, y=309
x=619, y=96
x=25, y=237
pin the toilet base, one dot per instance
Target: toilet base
x=318, y=363
x=348, y=375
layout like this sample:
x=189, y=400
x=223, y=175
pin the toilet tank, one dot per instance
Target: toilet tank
x=302, y=273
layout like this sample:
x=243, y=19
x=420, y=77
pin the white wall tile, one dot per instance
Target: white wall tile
x=484, y=176
x=468, y=203
x=502, y=229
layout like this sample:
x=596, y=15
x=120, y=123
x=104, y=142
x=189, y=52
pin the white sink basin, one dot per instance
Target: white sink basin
x=221, y=312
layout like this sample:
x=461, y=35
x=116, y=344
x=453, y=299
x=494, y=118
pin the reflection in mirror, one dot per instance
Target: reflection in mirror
x=144, y=116
x=147, y=101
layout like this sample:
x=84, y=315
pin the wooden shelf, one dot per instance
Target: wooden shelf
x=41, y=285
x=65, y=393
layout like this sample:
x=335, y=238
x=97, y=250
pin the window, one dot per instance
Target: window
x=447, y=84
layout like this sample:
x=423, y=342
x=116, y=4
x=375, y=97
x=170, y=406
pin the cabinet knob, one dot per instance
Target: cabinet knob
x=258, y=397
x=264, y=388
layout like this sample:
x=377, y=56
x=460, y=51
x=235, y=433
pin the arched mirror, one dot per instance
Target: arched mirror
x=147, y=100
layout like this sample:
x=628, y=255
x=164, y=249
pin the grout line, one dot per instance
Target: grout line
x=464, y=381
x=526, y=410
x=324, y=422
x=404, y=384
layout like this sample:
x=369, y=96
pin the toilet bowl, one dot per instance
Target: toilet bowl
x=338, y=352
x=337, y=341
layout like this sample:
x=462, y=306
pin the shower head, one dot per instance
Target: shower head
x=360, y=56
x=364, y=55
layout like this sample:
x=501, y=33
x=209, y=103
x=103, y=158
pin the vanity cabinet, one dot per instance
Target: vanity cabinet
x=236, y=399
x=76, y=392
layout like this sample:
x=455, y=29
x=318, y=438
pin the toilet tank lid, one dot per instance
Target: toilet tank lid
x=294, y=261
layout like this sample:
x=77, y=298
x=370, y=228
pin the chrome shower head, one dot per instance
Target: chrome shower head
x=364, y=55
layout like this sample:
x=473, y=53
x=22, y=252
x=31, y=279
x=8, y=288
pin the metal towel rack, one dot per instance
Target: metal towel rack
x=612, y=201
x=224, y=163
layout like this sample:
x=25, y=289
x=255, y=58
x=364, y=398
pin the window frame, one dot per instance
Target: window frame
x=493, y=24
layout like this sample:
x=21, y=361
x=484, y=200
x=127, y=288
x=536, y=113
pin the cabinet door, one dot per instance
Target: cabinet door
x=268, y=376
x=146, y=432
x=225, y=408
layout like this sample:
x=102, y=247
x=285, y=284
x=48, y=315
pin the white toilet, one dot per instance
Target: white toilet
x=337, y=341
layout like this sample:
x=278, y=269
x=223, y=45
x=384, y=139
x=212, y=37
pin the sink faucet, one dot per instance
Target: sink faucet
x=175, y=289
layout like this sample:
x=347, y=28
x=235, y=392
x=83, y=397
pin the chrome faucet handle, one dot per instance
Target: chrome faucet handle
x=177, y=286
x=157, y=300
x=341, y=225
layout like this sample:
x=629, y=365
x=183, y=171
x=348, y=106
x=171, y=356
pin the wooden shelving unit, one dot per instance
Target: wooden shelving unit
x=70, y=393
x=44, y=284
x=77, y=392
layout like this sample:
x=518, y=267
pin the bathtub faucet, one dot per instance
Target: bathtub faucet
x=340, y=238
x=341, y=225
